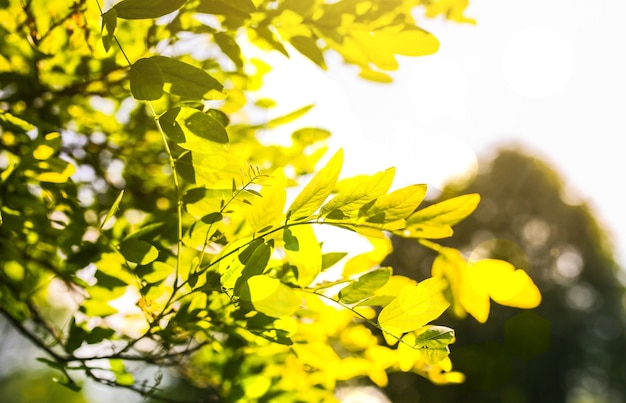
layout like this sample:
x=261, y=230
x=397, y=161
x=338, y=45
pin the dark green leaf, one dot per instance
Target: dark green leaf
x=230, y=48
x=254, y=266
x=109, y=21
x=265, y=33
x=146, y=80
x=212, y=218
x=147, y=231
x=114, y=207
x=329, y=259
x=187, y=81
x=138, y=251
x=207, y=127
x=308, y=47
x=249, y=250
x=230, y=8
x=139, y=9
x=171, y=127
x=291, y=242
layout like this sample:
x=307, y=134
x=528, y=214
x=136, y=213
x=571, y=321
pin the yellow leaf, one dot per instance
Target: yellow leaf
x=365, y=261
x=268, y=209
x=396, y=205
x=357, y=191
x=505, y=284
x=271, y=297
x=318, y=189
x=414, y=307
x=303, y=251
x=408, y=42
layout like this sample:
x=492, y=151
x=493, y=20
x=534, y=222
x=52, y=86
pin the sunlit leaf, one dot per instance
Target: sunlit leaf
x=290, y=117
x=268, y=210
x=187, y=81
x=114, y=207
x=207, y=127
x=436, y=221
x=271, y=297
x=355, y=192
x=365, y=261
x=415, y=307
x=306, y=256
x=139, y=9
x=396, y=205
x=317, y=190
x=365, y=286
x=138, y=251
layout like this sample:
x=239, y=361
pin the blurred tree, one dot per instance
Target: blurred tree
x=573, y=346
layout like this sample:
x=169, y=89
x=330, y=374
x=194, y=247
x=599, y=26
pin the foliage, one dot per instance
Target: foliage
x=570, y=348
x=144, y=223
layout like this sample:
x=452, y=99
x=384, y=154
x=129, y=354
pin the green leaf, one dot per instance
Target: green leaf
x=146, y=231
x=140, y=9
x=170, y=126
x=447, y=212
x=238, y=8
x=187, y=81
x=290, y=117
x=310, y=135
x=308, y=47
x=436, y=221
x=434, y=337
x=365, y=286
x=109, y=23
x=317, y=190
x=230, y=47
x=396, y=205
x=254, y=266
x=304, y=253
x=138, y=251
x=207, y=127
x=146, y=80
x=358, y=191
x=114, y=207
x=331, y=258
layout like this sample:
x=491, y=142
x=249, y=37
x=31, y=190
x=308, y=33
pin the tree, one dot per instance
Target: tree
x=145, y=225
x=570, y=348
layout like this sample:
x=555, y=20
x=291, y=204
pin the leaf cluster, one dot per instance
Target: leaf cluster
x=134, y=181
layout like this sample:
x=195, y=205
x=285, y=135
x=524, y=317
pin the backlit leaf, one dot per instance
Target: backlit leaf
x=317, y=190
x=207, y=127
x=415, y=307
x=355, y=192
x=365, y=286
x=114, y=207
x=146, y=80
x=139, y=9
x=308, y=47
x=271, y=297
x=396, y=205
x=290, y=117
x=307, y=258
x=138, y=251
x=109, y=23
x=187, y=81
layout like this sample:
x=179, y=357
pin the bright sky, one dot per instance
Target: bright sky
x=547, y=74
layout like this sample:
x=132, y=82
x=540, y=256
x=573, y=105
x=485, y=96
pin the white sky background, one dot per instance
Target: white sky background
x=549, y=75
